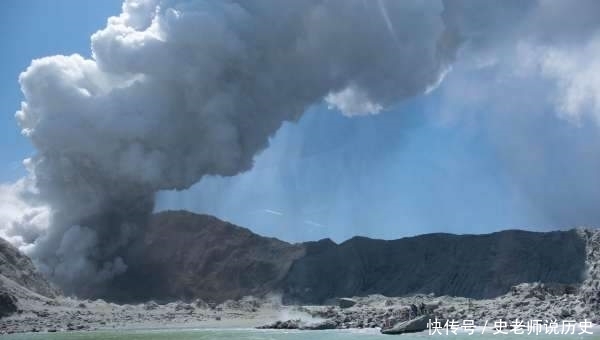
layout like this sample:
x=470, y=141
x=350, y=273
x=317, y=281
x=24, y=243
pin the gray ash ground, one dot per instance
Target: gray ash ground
x=66, y=314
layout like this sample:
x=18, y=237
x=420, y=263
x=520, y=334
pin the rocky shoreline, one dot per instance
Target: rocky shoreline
x=525, y=301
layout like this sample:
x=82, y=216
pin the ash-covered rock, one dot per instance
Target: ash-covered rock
x=18, y=268
x=288, y=324
x=417, y=324
x=248, y=304
x=589, y=291
x=346, y=302
x=8, y=304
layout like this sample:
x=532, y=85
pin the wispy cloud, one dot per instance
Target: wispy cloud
x=314, y=224
x=273, y=212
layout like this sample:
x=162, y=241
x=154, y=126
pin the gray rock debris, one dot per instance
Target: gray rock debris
x=346, y=302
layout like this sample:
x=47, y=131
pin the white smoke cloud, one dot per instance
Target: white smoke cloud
x=22, y=221
x=531, y=92
x=550, y=42
x=351, y=102
x=577, y=75
x=180, y=89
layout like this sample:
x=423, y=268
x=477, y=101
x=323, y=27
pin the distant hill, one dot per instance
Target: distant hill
x=185, y=256
x=476, y=266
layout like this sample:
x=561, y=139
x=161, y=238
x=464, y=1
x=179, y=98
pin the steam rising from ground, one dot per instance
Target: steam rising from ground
x=180, y=89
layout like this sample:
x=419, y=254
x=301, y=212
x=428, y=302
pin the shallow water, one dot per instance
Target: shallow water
x=252, y=334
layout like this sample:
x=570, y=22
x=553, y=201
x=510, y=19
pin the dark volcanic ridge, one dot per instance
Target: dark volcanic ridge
x=473, y=266
x=186, y=256
x=183, y=256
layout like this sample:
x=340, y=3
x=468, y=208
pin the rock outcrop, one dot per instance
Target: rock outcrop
x=346, y=302
x=18, y=268
x=589, y=291
x=20, y=280
x=8, y=304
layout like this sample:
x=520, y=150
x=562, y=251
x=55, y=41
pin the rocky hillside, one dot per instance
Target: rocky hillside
x=476, y=266
x=16, y=269
x=185, y=256
x=19, y=280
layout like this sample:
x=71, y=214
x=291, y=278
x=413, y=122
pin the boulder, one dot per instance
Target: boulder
x=150, y=305
x=199, y=303
x=432, y=305
x=182, y=306
x=417, y=324
x=327, y=324
x=8, y=304
x=346, y=302
x=289, y=324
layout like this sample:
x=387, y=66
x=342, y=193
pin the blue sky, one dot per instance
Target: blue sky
x=405, y=171
x=394, y=174
x=39, y=28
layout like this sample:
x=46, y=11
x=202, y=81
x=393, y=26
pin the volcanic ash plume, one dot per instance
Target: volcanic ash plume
x=176, y=90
